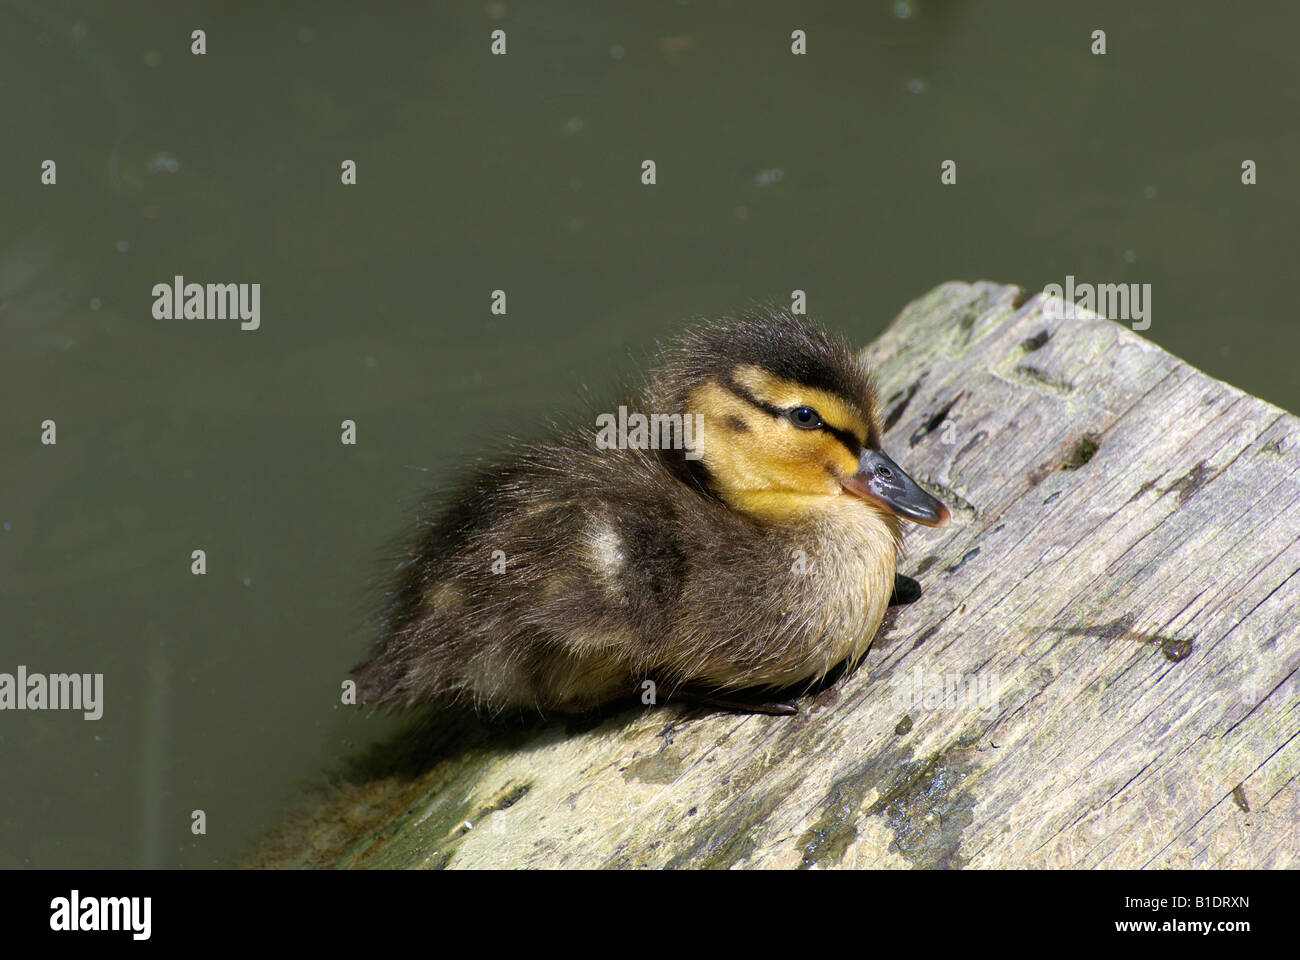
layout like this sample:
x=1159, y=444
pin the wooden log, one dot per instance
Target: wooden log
x=1102, y=671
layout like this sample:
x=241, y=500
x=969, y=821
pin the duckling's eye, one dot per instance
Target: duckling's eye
x=805, y=417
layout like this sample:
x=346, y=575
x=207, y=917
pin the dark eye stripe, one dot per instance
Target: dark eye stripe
x=845, y=437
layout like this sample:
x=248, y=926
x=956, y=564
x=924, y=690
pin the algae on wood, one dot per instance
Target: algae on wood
x=1102, y=671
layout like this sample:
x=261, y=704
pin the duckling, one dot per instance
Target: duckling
x=758, y=552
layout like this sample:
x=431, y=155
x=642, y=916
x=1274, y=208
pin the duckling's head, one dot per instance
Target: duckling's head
x=788, y=421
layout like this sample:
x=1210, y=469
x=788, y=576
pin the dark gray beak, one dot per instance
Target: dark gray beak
x=883, y=482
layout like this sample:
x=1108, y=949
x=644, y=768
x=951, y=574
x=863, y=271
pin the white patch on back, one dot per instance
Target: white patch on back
x=606, y=549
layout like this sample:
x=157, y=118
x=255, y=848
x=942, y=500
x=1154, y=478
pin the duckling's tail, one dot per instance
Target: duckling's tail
x=384, y=678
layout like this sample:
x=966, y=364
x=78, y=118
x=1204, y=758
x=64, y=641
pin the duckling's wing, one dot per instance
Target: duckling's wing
x=541, y=584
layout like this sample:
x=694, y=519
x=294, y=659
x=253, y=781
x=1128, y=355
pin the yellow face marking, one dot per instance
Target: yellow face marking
x=765, y=465
x=773, y=390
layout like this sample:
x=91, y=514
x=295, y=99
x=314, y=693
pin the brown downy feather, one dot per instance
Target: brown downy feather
x=622, y=566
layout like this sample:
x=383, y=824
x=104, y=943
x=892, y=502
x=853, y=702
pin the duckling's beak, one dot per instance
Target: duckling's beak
x=883, y=482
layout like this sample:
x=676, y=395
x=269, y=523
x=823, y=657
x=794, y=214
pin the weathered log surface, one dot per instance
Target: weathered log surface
x=1119, y=582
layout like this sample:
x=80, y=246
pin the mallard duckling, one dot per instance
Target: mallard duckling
x=758, y=553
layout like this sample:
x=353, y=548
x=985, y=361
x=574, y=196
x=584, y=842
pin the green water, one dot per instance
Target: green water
x=520, y=173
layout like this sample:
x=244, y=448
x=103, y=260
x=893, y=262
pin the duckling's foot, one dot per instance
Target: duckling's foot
x=906, y=590
x=774, y=708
